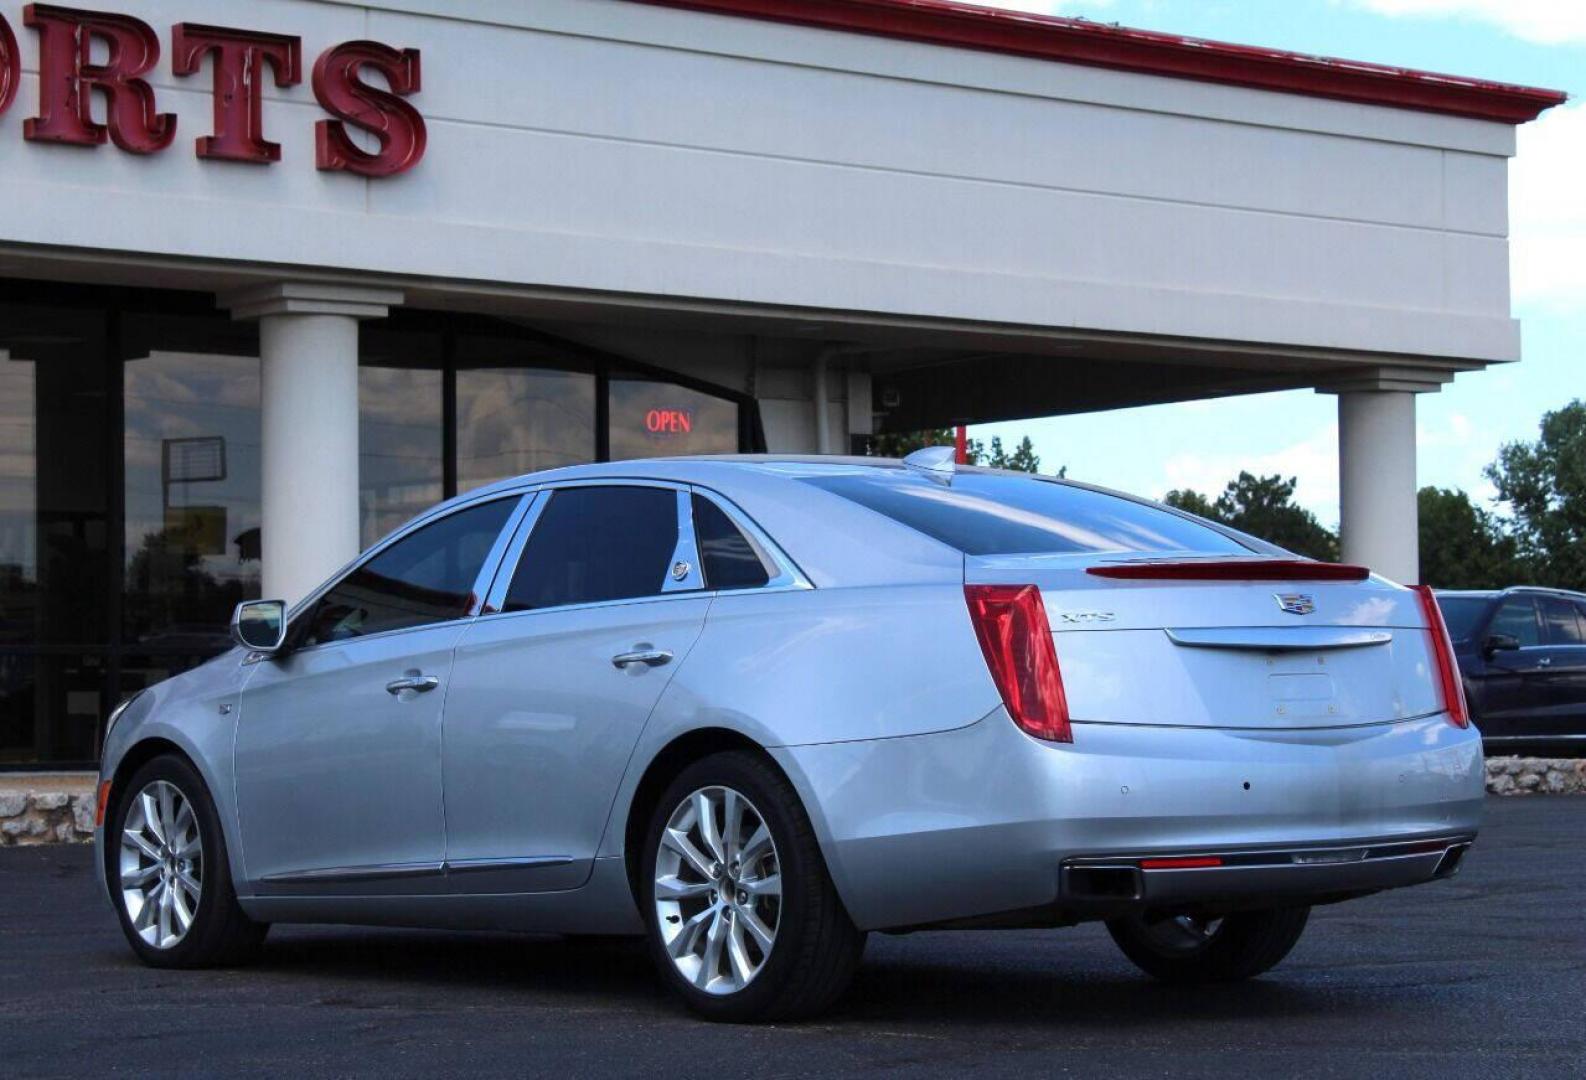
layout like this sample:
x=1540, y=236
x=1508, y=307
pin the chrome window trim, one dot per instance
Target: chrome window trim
x=496, y=594
x=686, y=553
x=785, y=573
x=496, y=601
x=401, y=534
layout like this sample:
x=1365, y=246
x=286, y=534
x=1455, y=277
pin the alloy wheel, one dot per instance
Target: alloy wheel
x=162, y=864
x=718, y=890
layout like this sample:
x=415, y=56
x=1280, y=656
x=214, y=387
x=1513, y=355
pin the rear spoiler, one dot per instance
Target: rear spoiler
x=1232, y=570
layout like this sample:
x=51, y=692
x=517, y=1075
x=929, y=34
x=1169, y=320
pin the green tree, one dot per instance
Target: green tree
x=1263, y=506
x=1545, y=484
x=905, y=443
x=1464, y=546
x=1023, y=457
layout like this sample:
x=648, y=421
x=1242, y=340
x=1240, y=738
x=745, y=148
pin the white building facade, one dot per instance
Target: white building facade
x=273, y=282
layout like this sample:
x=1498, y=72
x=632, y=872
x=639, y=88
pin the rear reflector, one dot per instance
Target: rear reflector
x=1204, y=862
x=100, y=803
x=1232, y=570
x=1010, y=621
x=1453, y=689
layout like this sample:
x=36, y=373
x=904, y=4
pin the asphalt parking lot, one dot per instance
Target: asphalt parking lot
x=1484, y=975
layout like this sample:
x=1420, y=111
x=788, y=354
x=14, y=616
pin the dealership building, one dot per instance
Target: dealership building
x=276, y=276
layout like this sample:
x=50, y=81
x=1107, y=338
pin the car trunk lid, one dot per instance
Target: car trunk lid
x=1247, y=643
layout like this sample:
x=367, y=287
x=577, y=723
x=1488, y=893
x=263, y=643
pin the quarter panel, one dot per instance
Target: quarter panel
x=832, y=665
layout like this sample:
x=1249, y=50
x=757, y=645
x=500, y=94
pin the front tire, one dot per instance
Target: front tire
x=166, y=865
x=1190, y=949
x=744, y=922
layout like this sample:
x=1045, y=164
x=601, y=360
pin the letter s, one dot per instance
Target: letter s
x=396, y=124
x=10, y=65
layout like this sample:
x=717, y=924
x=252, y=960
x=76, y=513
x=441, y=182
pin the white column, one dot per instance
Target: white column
x=308, y=350
x=1379, y=524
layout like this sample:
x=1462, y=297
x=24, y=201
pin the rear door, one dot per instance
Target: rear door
x=551, y=689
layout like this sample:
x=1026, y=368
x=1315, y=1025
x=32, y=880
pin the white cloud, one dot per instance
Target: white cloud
x=1551, y=22
x=1313, y=462
x=1547, y=208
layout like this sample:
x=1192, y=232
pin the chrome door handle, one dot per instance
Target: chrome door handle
x=646, y=656
x=421, y=684
x=1546, y=661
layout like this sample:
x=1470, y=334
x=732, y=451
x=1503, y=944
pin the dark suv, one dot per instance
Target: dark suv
x=1522, y=653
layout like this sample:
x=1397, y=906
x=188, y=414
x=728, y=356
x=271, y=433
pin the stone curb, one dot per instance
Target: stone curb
x=46, y=817
x=1536, y=776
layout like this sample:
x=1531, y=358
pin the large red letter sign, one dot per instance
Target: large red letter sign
x=10, y=65
x=396, y=124
x=67, y=75
x=240, y=56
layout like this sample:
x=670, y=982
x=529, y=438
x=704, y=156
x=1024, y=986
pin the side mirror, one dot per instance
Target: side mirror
x=1497, y=643
x=260, y=625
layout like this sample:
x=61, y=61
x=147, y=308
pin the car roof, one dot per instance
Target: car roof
x=1512, y=590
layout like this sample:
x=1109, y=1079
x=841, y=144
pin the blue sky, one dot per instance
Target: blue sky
x=1204, y=444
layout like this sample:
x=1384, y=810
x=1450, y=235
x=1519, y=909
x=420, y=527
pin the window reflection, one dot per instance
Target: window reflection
x=661, y=419
x=514, y=420
x=400, y=443
x=192, y=497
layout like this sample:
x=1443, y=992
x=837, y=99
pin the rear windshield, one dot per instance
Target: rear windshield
x=1462, y=614
x=987, y=514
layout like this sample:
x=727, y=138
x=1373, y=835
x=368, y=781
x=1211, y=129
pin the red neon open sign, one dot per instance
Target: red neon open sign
x=669, y=422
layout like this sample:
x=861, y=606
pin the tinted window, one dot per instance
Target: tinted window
x=426, y=577
x=1560, y=624
x=731, y=561
x=1517, y=618
x=1463, y=614
x=982, y=514
x=597, y=543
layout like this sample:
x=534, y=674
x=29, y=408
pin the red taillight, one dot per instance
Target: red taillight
x=1195, y=862
x=1010, y=621
x=1231, y=570
x=1443, y=652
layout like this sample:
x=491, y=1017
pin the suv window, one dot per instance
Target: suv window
x=988, y=514
x=593, y=544
x=426, y=577
x=1463, y=614
x=1560, y=623
x=1517, y=618
x=730, y=560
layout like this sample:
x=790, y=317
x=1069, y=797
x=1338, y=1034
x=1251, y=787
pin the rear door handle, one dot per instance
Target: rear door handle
x=642, y=655
x=420, y=684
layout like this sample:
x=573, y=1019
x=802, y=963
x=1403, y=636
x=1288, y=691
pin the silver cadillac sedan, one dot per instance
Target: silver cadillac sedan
x=754, y=708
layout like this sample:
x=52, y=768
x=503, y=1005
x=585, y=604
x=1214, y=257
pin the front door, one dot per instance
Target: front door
x=1511, y=679
x=549, y=696
x=1563, y=715
x=338, y=752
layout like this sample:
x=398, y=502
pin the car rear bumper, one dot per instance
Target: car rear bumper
x=984, y=820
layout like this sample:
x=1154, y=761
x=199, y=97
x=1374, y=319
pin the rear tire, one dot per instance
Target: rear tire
x=720, y=903
x=1188, y=950
x=167, y=870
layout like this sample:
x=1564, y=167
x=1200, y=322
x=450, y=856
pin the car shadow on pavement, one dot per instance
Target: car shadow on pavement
x=954, y=992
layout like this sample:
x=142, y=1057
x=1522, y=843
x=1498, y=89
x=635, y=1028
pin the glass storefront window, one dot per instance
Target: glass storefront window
x=514, y=416
x=55, y=537
x=192, y=497
x=662, y=419
x=130, y=472
x=401, y=428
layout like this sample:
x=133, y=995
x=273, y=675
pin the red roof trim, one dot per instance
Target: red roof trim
x=1079, y=41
